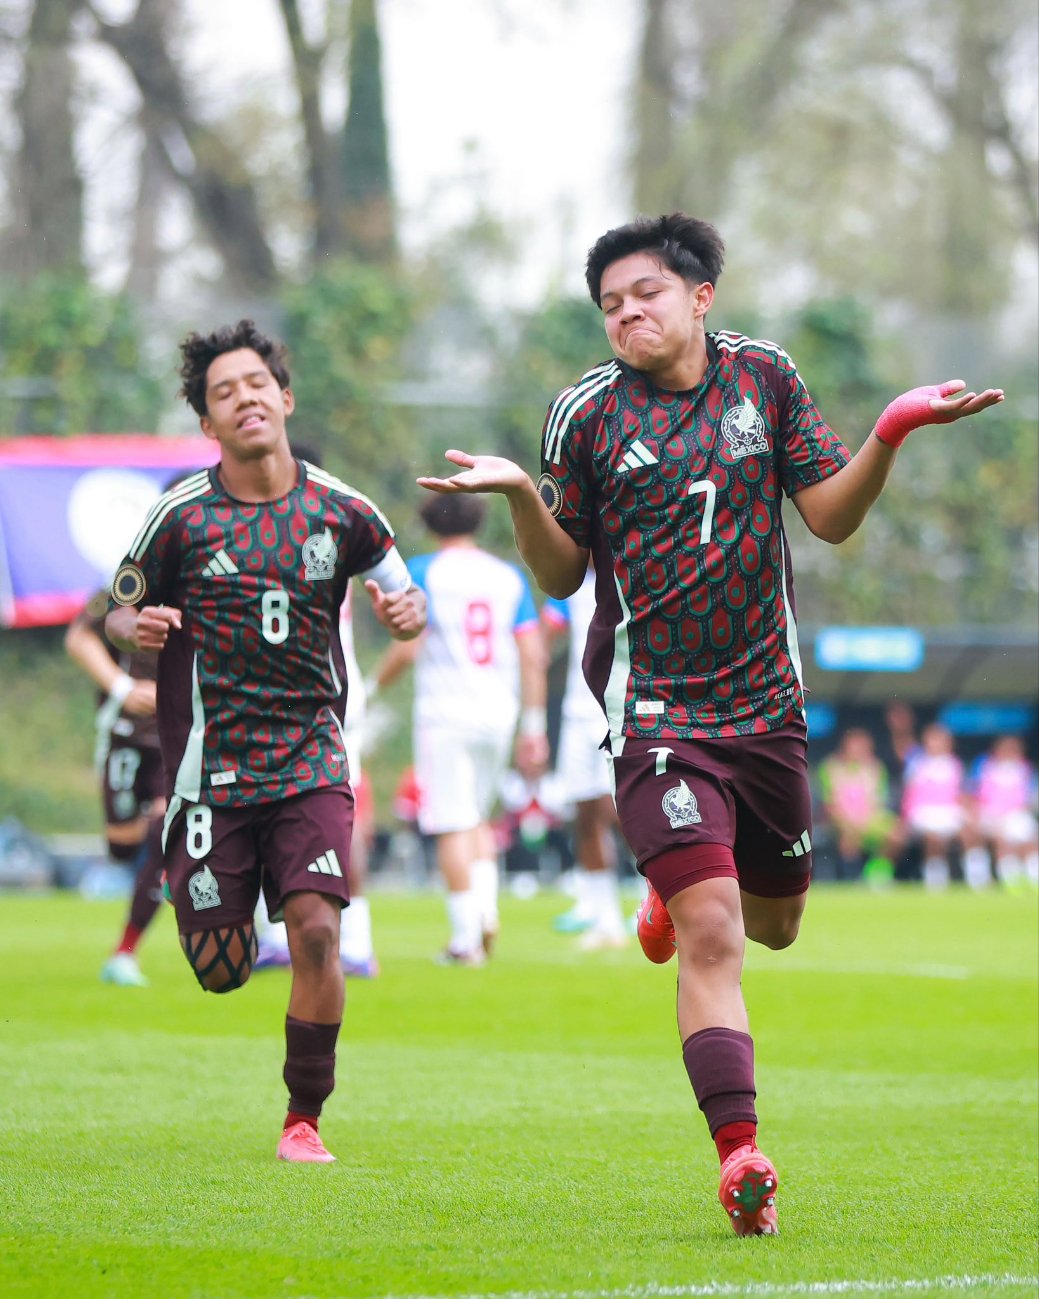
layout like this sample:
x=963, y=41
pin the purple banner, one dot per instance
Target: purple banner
x=69, y=509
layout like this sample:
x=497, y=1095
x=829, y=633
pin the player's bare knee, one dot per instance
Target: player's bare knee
x=314, y=940
x=713, y=938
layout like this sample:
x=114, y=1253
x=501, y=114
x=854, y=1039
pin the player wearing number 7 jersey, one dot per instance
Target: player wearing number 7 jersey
x=668, y=464
x=236, y=578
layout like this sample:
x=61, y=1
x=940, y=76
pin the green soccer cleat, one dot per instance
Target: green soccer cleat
x=122, y=970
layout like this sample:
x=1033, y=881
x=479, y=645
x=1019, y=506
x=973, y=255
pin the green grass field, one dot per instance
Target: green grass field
x=525, y=1129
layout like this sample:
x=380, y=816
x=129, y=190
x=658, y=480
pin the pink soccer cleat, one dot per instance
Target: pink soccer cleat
x=748, y=1192
x=654, y=928
x=301, y=1144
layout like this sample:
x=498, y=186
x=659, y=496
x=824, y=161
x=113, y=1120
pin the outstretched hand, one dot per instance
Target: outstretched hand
x=932, y=404
x=480, y=474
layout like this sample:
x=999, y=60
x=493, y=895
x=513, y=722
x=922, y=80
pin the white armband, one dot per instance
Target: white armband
x=121, y=687
x=390, y=573
x=533, y=721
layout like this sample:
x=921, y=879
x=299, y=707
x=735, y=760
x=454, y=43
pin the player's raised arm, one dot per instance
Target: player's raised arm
x=557, y=562
x=834, y=507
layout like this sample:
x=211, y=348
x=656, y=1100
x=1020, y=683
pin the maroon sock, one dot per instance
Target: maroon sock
x=147, y=889
x=131, y=937
x=720, y=1065
x=292, y=1117
x=730, y=1136
x=310, y=1061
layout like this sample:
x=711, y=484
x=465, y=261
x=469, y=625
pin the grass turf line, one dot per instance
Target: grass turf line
x=527, y=1127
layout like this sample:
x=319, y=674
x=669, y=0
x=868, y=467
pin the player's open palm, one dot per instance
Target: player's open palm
x=479, y=474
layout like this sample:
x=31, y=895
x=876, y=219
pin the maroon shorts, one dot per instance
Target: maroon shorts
x=218, y=859
x=749, y=793
x=130, y=783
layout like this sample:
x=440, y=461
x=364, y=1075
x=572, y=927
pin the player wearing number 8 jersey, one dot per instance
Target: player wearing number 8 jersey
x=668, y=464
x=236, y=578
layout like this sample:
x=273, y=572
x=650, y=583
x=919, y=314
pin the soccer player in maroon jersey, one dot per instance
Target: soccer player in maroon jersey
x=668, y=464
x=236, y=579
x=130, y=767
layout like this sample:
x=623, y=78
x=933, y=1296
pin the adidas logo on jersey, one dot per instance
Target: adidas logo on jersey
x=221, y=565
x=803, y=845
x=637, y=456
x=326, y=864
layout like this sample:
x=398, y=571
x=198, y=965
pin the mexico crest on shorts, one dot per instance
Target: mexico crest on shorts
x=203, y=890
x=679, y=804
x=319, y=556
x=744, y=430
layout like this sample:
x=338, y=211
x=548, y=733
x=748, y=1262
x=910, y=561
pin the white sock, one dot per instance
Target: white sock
x=936, y=872
x=355, y=931
x=1032, y=867
x=583, y=908
x=483, y=880
x=976, y=869
x=604, y=902
x=463, y=913
x=1009, y=868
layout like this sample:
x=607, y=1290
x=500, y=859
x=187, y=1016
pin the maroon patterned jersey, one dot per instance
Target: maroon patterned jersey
x=251, y=690
x=678, y=496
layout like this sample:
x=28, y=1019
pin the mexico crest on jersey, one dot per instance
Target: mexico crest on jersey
x=319, y=556
x=679, y=804
x=744, y=430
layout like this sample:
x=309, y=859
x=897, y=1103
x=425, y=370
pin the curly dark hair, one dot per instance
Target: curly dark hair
x=199, y=351
x=686, y=245
x=453, y=516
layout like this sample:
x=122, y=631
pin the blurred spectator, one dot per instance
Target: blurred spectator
x=1003, y=830
x=530, y=829
x=933, y=802
x=854, y=786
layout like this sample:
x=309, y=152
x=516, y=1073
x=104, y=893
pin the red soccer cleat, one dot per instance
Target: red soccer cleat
x=748, y=1192
x=654, y=928
x=301, y=1144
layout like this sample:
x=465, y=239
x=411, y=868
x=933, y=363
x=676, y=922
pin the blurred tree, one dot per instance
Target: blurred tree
x=347, y=169
x=890, y=145
x=345, y=328
x=48, y=190
x=77, y=353
x=368, y=209
x=196, y=155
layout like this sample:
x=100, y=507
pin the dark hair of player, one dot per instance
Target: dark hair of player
x=686, y=245
x=199, y=351
x=453, y=516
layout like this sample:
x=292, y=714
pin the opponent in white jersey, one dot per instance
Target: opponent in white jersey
x=479, y=668
x=585, y=778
